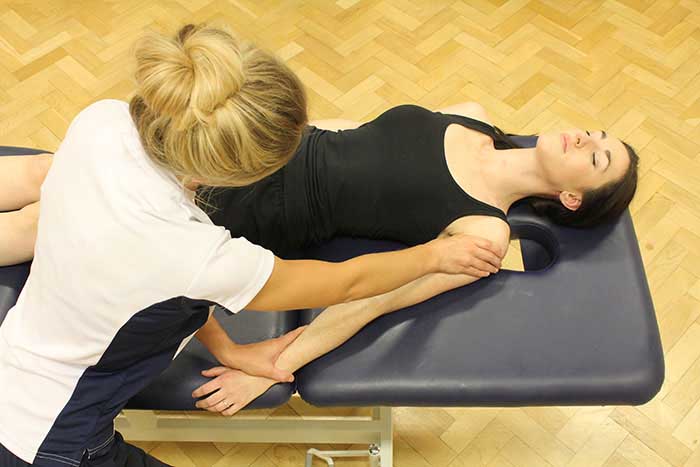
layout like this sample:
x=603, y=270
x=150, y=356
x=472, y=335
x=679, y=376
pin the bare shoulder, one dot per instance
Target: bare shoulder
x=491, y=228
x=468, y=109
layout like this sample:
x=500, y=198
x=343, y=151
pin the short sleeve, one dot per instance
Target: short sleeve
x=233, y=274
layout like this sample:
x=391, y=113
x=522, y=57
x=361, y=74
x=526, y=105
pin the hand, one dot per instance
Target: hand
x=466, y=254
x=234, y=390
x=258, y=359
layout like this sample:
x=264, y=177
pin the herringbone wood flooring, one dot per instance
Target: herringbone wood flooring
x=631, y=67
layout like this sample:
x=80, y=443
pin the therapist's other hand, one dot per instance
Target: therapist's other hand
x=466, y=254
x=234, y=390
x=258, y=359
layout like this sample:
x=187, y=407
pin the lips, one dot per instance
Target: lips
x=564, y=142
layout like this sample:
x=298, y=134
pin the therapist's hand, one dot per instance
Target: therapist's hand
x=234, y=390
x=466, y=254
x=258, y=359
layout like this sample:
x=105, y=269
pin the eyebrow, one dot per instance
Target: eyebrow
x=607, y=151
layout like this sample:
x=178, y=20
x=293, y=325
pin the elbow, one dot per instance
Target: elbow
x=357, y=286
x=352, y=291
x=350, y=281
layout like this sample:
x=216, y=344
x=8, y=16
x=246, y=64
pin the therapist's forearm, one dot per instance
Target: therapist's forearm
x=215, y=339
x=381, y=273
x=338, y=323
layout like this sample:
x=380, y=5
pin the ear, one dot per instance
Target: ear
x=570, y=200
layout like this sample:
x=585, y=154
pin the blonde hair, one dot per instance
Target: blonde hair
x=211, y=108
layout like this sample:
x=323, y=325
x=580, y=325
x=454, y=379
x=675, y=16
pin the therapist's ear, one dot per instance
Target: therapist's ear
x=193, y=184
x=570, y=200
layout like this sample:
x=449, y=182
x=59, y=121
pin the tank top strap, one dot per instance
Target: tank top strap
x=473, y=124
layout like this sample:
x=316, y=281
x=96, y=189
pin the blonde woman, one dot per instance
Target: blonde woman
x=127, y=266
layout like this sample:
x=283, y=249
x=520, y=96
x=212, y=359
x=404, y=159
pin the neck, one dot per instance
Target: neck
x=513, y=174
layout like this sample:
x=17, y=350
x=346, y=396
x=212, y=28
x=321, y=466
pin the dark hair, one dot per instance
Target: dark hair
x=602, y=205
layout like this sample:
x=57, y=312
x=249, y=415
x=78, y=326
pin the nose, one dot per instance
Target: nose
x=581, y=139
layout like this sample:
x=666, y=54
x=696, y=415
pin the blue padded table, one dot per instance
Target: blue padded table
x=576, y=328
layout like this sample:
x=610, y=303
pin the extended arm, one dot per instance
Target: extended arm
x=300, y=284
x=230, y=390
x=332, y=327
x=340, y=322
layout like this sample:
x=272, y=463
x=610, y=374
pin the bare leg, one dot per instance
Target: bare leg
x=20, y=179
x=20, y=182
x=18, y=234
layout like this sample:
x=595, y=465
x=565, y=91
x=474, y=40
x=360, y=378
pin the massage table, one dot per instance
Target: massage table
x=577, y=327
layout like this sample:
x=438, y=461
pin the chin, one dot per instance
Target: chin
x=546, y=147
x=545, y=143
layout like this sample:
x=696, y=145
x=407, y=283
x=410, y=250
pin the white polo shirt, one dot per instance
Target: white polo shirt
x=126, y=266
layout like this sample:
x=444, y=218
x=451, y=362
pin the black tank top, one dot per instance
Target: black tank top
x=387, y=179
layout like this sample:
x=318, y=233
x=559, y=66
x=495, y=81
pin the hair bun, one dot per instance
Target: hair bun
x=211, y=108
x=189, y=76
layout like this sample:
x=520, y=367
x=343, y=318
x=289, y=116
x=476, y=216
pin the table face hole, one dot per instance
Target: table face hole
x=534, y=255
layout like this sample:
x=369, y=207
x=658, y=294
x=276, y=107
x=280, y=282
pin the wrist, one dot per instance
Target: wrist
x=227, y=354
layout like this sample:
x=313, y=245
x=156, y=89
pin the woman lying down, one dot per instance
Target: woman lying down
x=410, y=175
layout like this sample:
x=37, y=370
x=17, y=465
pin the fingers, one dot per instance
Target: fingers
x=214, y=372
x=279, y=375
x=483, y=243
x=487, y=256
x=269, y=370
x=484, y=266
x=487, y=251
x=488, y=245
x=474, y=267
x=471, y=271
x=233, y=409
x=206, y=388
x=221, y=406
x=212, y=401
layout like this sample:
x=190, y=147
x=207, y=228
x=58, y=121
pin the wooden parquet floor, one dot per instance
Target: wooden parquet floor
x=631, y=67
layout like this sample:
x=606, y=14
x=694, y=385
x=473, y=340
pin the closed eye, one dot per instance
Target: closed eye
x=593, y=154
